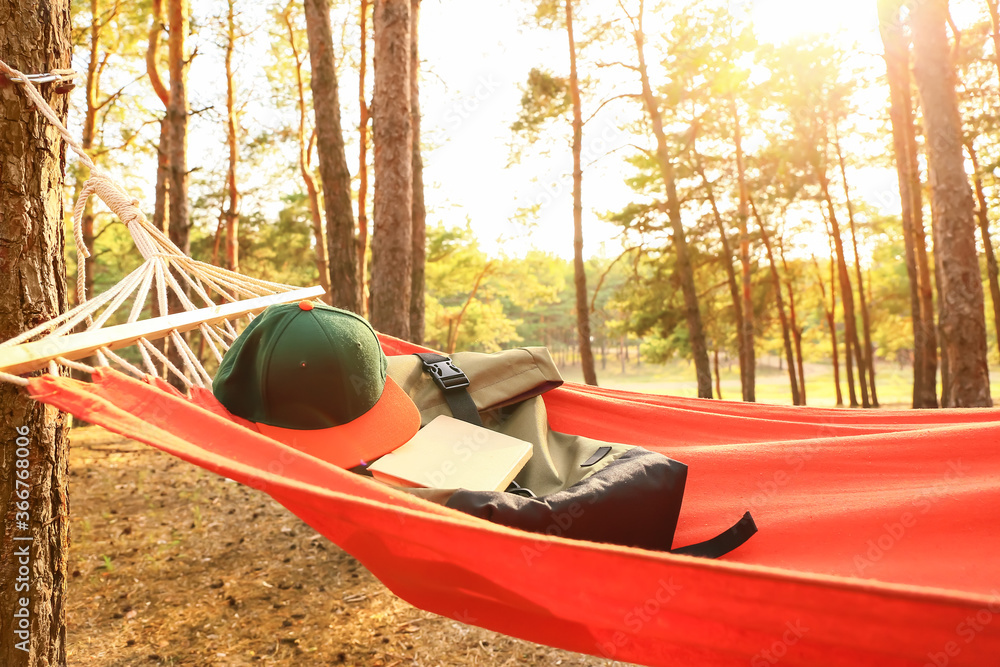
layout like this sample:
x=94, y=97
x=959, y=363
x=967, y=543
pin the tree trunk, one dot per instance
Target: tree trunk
x=963, y=323
x=793, y=322
x=34, y=38
x=455, y=323
x=685, y=272
x=305, y=166
x=897, y=60
x=832, y=324
x=161, y=205
x=362, y=238
x=984, y=230
x=232, y=211
x=780, y=304
x=718, y=380
x=868, y=350
x=851, y=345
x=749, y=374
x=392, y=237
x=333, y=172
x=92, y=90
x=177, y=120
x=419, y=240
x=727, y=264
x=579, y=270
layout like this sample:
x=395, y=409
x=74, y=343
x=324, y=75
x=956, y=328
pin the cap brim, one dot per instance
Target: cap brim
x=392, y=421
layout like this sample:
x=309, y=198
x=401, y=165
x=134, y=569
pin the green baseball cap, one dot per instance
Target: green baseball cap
x=314, y=377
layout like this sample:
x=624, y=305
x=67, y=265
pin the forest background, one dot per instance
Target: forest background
x=775, y=123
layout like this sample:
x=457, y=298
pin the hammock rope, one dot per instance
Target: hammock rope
x=156, y=277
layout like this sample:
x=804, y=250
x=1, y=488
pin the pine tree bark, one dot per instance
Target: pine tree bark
x=793, y=322
x=177, y=120
x=419, y=240
x=897, y=58
x=685, y=272
x=963, y=323
x=780, y=305
x=34, y=38
x=92, y=90
x=162, y=192
x=727, y=264
x=579, y=269
x=305, y=166
x=982, y=214
x=231, y=214
x=868, y=350
x=831, y=322
x=392, y=236
x=178, y=209
x=851, y=346
x=362, y=238
x=333, y=172
x=749, y=377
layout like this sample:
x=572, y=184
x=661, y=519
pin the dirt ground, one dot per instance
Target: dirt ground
x=174, y=565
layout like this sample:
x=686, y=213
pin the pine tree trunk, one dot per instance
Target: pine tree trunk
x=177, y=121
x=419, y=240
x=305, y=165
x=392, y=237
x=579, y=270
x=984, y=230
x=793, y=322
x=727, y=264
x=963, y=323
x=832, y=324
x=92, y=89
x=749, y=372
x=162, y=192
x=34, y=38
x=897, y=59
x=718, y=380
x=231, y=213
x=333, y=172
x=685, y=272
x=780, y=304
x=362, y=238
x=868, y=350
x=851, y=346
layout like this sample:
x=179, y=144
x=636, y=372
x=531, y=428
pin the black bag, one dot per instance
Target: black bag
x=634, y=501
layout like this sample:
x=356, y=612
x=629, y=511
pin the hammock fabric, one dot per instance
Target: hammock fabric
x=878, y=540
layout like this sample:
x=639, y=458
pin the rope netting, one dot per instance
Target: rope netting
x=165, y=272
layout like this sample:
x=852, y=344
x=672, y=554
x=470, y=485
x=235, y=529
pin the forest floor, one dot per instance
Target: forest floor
x=173, y=565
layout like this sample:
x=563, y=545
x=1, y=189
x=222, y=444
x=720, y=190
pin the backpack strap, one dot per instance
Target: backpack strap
x=453, y=383
x=723, y=543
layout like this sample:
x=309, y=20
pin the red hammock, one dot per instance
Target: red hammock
x=878, y=540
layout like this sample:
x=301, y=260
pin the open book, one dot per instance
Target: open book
x=452, y=454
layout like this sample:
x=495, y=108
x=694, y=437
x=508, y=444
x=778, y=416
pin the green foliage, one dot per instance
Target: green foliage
x=545, y=97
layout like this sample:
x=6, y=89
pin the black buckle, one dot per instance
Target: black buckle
x=447, y=375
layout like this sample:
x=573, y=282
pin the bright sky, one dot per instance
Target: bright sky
x=477, y=55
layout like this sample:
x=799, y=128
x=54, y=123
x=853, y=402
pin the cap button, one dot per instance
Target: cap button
x=305, y=305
